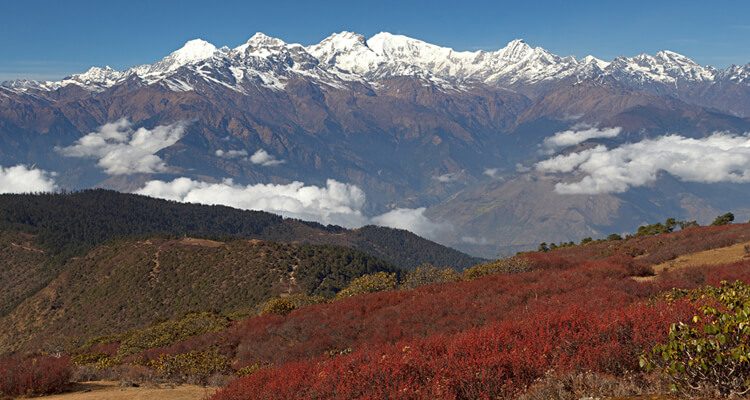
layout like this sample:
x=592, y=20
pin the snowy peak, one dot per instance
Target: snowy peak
x=345, y=39
x=516, y=50
x=347, y=51
x=408, y=56
x=348, y=56
x=260, y=41
x=666, y=67
x=404, y=48
x=193, y=50
x=593, y=61
x=104, y=75
x=737, y=73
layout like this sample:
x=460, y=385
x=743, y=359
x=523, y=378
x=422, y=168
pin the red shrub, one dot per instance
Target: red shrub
x=579, y=309
x=483, y=363
x=33, y=375
x=388, y=317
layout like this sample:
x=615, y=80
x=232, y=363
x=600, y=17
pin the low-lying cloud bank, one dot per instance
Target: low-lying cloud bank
x=231, y=154
x=720, y=157
x=576, y=135
x=260, y=157
x=336, y=203
x=413, y=220
x=22, y=179
x=122, y=150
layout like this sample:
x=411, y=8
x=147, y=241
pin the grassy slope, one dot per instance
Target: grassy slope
x=132, y=283
x=22, y=269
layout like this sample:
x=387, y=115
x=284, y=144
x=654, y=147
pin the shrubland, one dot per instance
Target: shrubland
x=565, y=323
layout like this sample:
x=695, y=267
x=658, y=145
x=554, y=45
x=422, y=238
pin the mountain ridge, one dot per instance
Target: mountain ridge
x=409, y=123
x=349, y=56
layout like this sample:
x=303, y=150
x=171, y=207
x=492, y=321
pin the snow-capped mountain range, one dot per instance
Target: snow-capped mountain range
x=350, y=57
x=412, y=124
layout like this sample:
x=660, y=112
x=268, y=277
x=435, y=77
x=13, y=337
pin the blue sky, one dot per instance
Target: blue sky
x=51, y=39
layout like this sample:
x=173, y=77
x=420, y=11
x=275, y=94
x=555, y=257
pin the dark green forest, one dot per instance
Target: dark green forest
x=68, y=224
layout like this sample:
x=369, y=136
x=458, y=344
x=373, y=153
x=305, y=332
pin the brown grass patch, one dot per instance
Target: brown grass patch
x=109, y=390
x=719, y=256
x=201, y=242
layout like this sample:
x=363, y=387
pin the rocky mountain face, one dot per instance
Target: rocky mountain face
x=410, y=123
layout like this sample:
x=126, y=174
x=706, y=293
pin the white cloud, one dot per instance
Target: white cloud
x=410, y=219
x=261, y=157
x=493, y=173
x=718, y=158
x=447, y=178
x=22, y=179
x=577, y=134
x=475, y=240
x=231, y=153
x=522, y=168
x=122, y=150
x=336, y=203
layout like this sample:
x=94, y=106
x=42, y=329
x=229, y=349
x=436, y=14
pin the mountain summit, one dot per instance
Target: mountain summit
x=350, y=56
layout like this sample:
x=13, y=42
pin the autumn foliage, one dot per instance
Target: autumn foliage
x=573, y=310
x=495, y=361
x=38, y=375
x=493, y=333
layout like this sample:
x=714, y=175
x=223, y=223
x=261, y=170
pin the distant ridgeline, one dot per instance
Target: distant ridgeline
x=69, y=224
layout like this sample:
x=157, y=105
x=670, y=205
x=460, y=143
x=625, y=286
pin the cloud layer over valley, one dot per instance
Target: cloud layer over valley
x=336, y=203
x=720, y=157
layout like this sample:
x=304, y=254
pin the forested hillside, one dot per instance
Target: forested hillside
x=77, y=265
x=70, y=223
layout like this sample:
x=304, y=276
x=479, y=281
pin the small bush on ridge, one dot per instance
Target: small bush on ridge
x=285, y=305
x=504, y=266
x=376, y=282
x=427, y=274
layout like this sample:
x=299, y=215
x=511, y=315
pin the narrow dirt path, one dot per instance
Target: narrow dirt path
x=153, y=275
x=106, y=390
x=27, y=248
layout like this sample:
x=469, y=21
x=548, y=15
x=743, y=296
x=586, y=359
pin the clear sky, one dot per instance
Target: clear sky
x=46, y=39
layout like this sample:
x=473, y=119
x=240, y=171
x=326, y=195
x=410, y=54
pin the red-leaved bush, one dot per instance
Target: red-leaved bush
x=578, y=309
x=26, y=376
x=598, y=286
x=495, y=361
